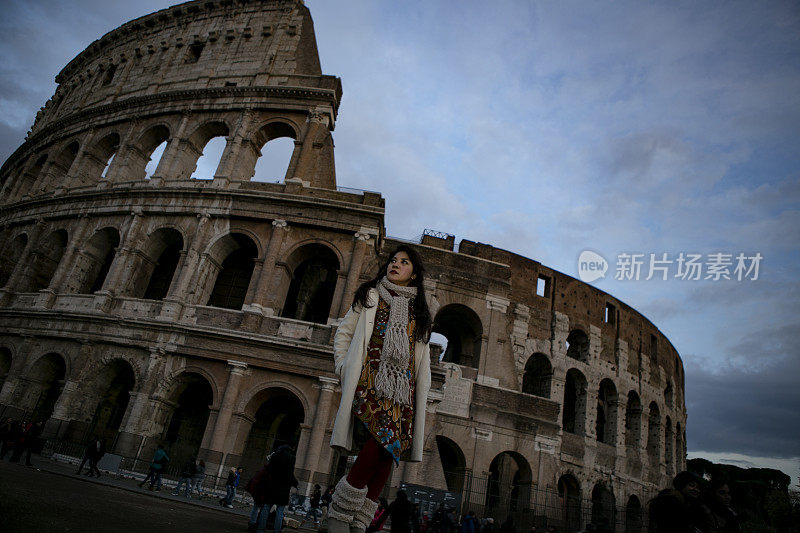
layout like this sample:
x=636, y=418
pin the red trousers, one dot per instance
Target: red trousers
x=371, y=469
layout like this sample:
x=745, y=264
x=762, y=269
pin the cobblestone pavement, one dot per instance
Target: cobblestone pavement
x=49, y=497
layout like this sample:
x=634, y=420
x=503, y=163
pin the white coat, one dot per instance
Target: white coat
x=349, y=351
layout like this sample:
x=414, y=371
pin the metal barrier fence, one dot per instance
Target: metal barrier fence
x=122, y=467
x=543, y=506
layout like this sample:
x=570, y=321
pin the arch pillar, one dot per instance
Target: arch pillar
x=219, y=438
x=67, y=262
x=119, y=276
x=187, y=267
x=362, y=239
x=172, y=152
x=316, y=123
x=22, y=263
x=315, y=458
x=138, y=420
x=226, y=170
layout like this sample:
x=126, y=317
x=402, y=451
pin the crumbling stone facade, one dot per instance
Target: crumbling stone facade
x=158, y=307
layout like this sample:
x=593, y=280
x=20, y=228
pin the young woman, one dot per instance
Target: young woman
x=383, y=363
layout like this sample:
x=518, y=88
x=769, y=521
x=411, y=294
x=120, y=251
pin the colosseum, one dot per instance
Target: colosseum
x=198, y=311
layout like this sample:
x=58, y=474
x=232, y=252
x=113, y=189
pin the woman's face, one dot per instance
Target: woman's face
x=400, y=269
x=692, y=490
x=723, y=495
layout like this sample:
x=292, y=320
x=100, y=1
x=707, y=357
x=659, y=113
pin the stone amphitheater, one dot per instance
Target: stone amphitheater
x=198, y=311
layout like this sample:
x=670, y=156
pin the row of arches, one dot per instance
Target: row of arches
x=508, y=489
x=274, y=414
x=155, y=150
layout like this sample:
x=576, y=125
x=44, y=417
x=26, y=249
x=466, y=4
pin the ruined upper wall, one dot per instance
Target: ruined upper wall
x=197, y=45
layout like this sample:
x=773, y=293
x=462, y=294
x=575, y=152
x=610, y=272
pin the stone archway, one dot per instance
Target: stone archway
x=113, y=386
x=509, y=485
x=45, y=383
x=604, y=507
x=313, y=283
x=453, y=463
x=191, y=397
x=276, y=418
x=569, y=495
x=464, y=332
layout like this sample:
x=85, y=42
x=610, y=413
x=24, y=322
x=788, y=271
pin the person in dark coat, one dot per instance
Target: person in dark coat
x=188, y=471
x=720, y=516
x=400, y=512
x=97, y=452
x=27, y=442
x=5, y=437
x=273, y=488
x=508, y=526
x=678, y=510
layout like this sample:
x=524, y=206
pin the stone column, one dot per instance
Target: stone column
x=22, y=263
x=317, y=121
x=176, y=297
x=171, y=156
x=136, y=423
x=322, y=414
x=116, y=281
x=235, y=372
x=267, y=280
x=362, y=239
x=230, y=156
x=118, y=171
x=66, y=264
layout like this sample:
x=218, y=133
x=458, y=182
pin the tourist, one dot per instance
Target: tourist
x=380, y=516
x=313, y=510
x=157, y=464
x=400, y=513
x=678, y=510
x=98, y=451
x=197, y=478
x=187, y=475
x=274, y=487
x=382, y=359
x=720, y=516
x=230, y=487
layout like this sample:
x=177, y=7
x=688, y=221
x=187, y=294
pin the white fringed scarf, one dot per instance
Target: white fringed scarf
x=392, y=380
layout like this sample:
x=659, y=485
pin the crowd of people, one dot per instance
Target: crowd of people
x=692, y=505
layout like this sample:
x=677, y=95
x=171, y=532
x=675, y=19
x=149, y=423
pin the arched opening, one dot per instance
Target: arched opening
x=61, y=164
x=95, y=260
x=5, y=364
x=209, y=140
x=144, y=162
x=313, y=283
x=14, y=251
x=277, y=419
x=26, y=183
x=654, y=431
x=230, y=287
x=98, y=159
x=154, y=275
x=44, y=262
x=464, y=332
x=633, y=420
x=573, y=418
x=45, y=383
x=453, y=462
x=669, y=396
x=538, y=376
x=277, y=142
x=633, y=515
x=606, y=424
x=679, y=453
x=578, y=345
x=509, y=485
x=669, y=439
x=569, y=496
x=192, y=396
x=604, y=507
x=112, y=387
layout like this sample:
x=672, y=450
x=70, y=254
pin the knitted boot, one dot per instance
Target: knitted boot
x=363, y=516
x=346, y=501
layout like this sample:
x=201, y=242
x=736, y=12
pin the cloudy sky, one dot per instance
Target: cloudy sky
x=550, y=128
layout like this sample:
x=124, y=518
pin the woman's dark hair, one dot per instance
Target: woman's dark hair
x=422, y=316
x=686, y=477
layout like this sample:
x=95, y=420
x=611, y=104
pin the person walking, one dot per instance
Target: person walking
x=274, y=486
x=188, y=471
x=97, y=453
x=198, y=477
x=382, y=359
x=313, y=510
x=230, y=487
x=400, y=513
x=27, y=442
x=157, y=464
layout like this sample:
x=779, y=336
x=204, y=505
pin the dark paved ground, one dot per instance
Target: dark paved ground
x=49, y=498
